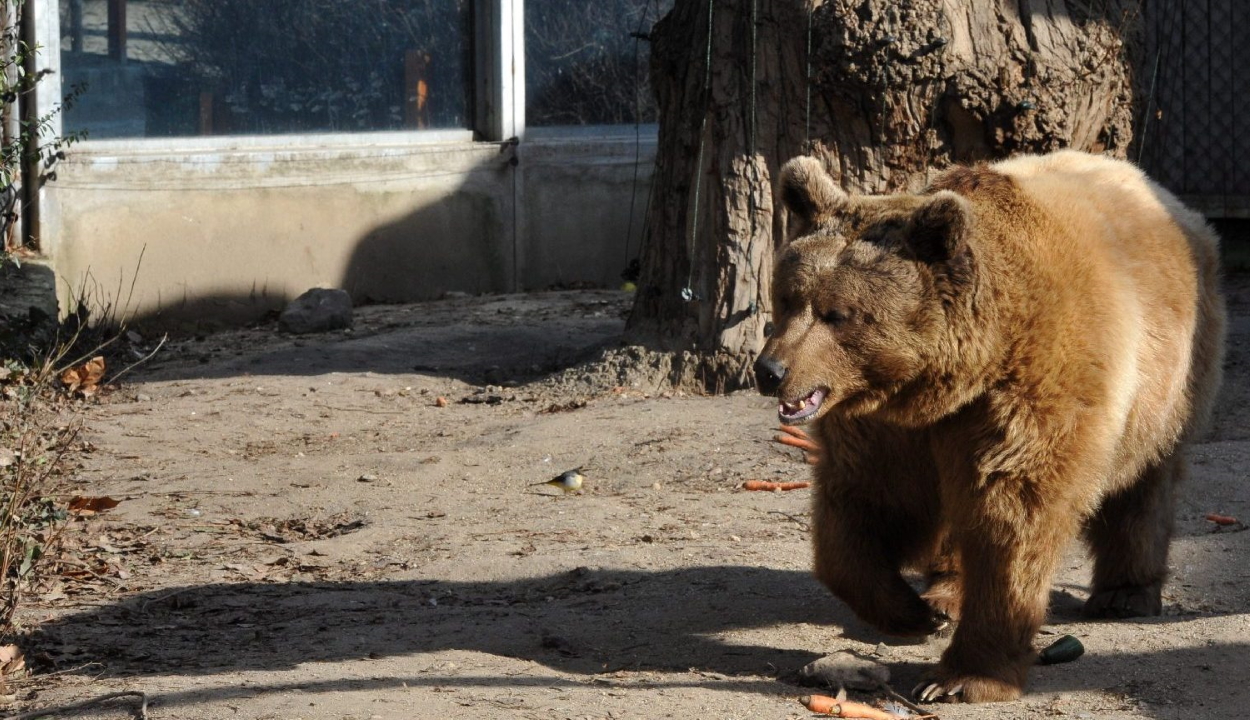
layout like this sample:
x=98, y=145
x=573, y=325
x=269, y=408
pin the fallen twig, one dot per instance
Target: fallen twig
x=140, y=361
x=357, y=410
x=903, y=700
x=36, y=679
x=58, y=709
x=802, y=525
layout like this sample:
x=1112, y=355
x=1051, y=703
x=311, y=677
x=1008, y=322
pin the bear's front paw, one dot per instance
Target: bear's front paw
x=1126, y=602
x=945, y=686
x=931, y=623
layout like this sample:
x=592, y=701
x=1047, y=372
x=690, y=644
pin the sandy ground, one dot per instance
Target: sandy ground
x=304, y=533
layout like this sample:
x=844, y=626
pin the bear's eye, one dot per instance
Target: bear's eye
x=836, y=316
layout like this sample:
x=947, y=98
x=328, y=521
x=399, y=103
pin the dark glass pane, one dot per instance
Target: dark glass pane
x=582, y=65
x=234, y=67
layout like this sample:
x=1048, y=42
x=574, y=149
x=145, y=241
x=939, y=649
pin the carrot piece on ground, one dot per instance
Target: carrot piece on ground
x=821, y=704
x=799, y=485
x=768, y=485
x=844, y=708
x=1222, y=519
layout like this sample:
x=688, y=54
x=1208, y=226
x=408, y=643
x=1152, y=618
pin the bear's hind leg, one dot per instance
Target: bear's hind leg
x=1129, y=537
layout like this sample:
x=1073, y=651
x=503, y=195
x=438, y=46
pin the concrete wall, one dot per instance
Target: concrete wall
x=225, y=229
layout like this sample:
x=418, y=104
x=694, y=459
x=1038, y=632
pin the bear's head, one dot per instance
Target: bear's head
x=861, y=296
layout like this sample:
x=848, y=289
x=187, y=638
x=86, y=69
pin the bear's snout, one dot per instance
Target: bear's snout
x=769, y=371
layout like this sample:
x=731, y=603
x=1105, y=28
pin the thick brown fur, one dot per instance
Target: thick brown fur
x=1013, y=358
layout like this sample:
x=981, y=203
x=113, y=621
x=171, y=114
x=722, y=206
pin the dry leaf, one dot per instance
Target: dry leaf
x=88, y=506
x=12, y=661
x=85, y=378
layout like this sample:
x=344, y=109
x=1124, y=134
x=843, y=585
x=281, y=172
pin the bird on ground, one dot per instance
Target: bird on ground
x=569, y=481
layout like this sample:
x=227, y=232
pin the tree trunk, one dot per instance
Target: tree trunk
x=888, y=93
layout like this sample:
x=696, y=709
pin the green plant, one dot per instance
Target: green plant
x=42, y=364
x=35, y=445
x=28, y=140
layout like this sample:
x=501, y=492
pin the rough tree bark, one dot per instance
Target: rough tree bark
x=889, y=93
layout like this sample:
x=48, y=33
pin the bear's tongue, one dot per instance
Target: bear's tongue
x=790, y=412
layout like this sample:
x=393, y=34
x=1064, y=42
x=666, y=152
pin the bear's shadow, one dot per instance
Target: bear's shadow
x=583, y=622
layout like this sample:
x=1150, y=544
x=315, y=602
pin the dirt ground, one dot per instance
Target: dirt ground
x=304, y=533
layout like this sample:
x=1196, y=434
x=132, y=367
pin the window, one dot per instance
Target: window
x=161, y=68
x=583, y=65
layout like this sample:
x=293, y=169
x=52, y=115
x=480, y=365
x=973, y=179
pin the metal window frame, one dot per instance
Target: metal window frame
x=499, y=52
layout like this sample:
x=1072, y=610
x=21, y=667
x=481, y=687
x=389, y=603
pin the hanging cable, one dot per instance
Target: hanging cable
x=687, y=293
x=807, y=79
x=633, y=195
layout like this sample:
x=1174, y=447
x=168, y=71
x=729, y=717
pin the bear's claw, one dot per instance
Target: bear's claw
x=951, y=688
x=932, y=692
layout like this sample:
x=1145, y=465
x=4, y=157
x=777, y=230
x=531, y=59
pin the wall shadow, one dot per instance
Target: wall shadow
x=444, y=231
x=493, y=339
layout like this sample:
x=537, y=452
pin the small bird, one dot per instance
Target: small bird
x=569, y=481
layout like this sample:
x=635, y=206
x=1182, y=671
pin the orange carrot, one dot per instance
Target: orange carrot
x=796, y=442
x=769, y=485
x=844, y=708
x=821, y=704
x=797, y=438
x=1222, y=519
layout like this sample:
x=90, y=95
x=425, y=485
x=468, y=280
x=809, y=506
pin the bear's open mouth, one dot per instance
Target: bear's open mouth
x=793, y=412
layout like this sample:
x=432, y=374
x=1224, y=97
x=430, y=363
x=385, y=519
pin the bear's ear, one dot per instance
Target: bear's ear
x=939, y=229
x=809, y=192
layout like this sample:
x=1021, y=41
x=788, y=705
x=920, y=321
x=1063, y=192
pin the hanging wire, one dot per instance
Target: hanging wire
x=1166, y=22
x=751, y=144
x=1150, y=99
x=633, y=195
x=807, y=119
x=687, y=293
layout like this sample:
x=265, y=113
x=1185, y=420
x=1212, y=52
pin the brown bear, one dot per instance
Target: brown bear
x=1011, y=357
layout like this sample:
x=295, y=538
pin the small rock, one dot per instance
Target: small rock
x=843, y=669
x=318, y=310
x=440, y=401
x=367, y=478
x=143, y=397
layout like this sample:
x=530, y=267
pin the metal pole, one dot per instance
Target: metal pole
x=117, y=30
